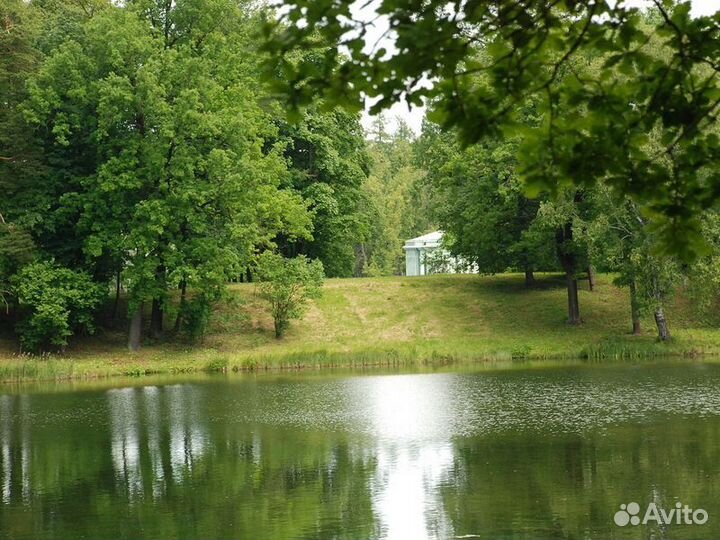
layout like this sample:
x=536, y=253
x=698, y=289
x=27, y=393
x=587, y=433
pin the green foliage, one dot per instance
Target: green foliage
x=703, y=275
x=626, y=244
x=398, y=201
x=288, y=284
x=138, y=140
x=482, y=207
x=164, y=162
x=658, y=277
x=20, y=24
x=19, y=59
x=196, y=314
x=328, y=163
x=57, y=302
x=16, y=249
x=604, y=77
x=217, y=364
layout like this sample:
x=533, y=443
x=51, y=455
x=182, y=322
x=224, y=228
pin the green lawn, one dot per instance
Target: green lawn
x=395, y=320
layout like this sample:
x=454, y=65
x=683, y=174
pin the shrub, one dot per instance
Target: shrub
x=288, y=284
x=56, y=303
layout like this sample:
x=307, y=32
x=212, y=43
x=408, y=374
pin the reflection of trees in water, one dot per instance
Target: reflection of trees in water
x=155, y=428
x=125, y=442
x=187, y=437
x=439, y=456
x=6, y=411
x=569, y=487
x=153, y=421
x=154, y=462
x=15, y=446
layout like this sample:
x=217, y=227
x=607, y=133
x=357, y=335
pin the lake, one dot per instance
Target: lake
x=506, y=454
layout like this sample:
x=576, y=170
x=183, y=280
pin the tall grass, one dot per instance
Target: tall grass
x=33, y=369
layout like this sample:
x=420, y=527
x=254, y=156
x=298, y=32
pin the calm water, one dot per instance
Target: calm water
x=531, y=454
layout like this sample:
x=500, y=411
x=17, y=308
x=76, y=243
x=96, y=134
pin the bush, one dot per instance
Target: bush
x=57, y=303
x=288, y=284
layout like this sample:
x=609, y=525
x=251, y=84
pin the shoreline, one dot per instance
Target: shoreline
x=19, y=369
x=384, y=322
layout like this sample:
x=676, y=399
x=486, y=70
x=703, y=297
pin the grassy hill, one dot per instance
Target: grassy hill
x=392, y=321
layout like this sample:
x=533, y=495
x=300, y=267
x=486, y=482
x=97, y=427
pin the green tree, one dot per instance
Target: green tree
x=703, y=277
x=288, y=285
x=565, y=216
x=486, y=214
x=18, y=60
x=33, y=179
x=630, y=249
x=55, y=303
x=153, y=118
x=328, y=164
x=657, y=73
x=16, y=250
x=19, y=154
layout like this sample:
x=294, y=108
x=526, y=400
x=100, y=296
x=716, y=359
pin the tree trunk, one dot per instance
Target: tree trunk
x=156, y=319
x=529, y=278
x=635, y=309
x=564, y=246
x=361, y=260
x=116, y=305
x=135, y=333
x=181, y=308
x=591, y=278
x=279, y=328
x=661, y=322
x=573, y=300
x=637, y=329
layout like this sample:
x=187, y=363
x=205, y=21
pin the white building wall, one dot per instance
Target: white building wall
x=418, y=250
x=412, y=262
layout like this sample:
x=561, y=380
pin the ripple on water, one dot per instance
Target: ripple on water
x=438, y=406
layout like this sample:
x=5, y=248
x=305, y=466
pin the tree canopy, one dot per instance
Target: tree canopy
x=604, y=76
x=153, y=111
x=328, y=164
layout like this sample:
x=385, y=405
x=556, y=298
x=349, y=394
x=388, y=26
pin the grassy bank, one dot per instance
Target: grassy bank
x=392, y=321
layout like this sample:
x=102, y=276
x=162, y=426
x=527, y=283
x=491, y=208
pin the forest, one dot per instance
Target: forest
x=151, y=152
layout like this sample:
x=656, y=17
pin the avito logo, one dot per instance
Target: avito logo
x=629, y=514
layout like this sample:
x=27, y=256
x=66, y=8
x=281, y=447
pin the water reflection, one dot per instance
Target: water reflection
x=187, y=438
x=5, y=468
x=152, y=410
x=15, y=444
x=125, y=444
x=547, y=454
x=406, y=499
x=160, y=428
x=411, y=420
